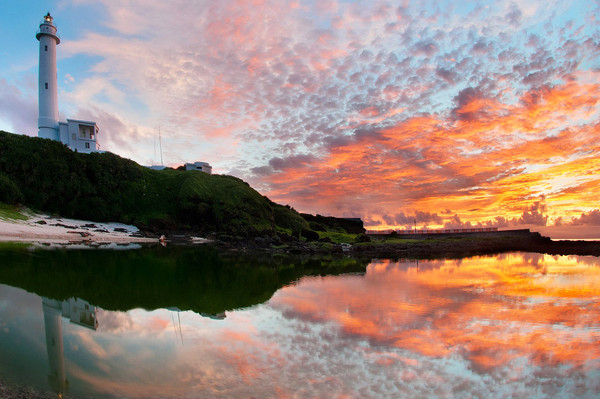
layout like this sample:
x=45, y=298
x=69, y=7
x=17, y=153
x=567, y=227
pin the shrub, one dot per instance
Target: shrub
x=286, y=217
x=362, y=237
x=9, y=191
x=310, y=235
x=317, y=226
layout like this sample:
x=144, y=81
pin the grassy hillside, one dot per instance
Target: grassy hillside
x=45, y=175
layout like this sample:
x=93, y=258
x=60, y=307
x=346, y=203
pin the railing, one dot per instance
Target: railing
x=433, y=231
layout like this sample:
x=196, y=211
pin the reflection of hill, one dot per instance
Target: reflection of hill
x=190, y=278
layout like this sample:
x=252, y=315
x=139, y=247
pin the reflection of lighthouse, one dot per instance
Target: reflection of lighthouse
x=79, y=312
x=54, y=344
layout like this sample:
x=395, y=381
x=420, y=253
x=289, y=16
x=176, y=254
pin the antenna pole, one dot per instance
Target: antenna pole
x=160, y=145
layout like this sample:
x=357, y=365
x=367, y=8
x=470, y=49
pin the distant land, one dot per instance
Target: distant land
x=44, y=175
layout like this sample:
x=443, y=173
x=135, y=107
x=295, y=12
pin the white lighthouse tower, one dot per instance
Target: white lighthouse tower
x=78, y=135
x=48, y=90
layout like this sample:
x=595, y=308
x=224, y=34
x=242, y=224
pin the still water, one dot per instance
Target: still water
x=197, y=323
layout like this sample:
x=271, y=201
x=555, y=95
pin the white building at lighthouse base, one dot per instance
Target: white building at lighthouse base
x=79, y=135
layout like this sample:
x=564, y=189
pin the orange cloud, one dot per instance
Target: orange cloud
x=496, y=162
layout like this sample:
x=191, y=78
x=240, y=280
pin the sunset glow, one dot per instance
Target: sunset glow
x=478, y=114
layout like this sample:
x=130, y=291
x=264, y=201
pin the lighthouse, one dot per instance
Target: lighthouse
x=48, y=90
x=78, y=135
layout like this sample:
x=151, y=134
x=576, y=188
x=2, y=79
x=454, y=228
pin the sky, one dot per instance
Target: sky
x=440, y=113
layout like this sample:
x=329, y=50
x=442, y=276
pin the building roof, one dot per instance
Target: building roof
x=81, y=122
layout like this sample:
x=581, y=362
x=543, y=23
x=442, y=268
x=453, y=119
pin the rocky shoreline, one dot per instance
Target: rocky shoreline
x=421, y=247
x=45, y=230
x=429, y=248
x=15, y=391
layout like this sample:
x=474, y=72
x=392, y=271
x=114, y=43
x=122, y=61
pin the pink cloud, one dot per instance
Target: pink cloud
x=591, y=218
x=18, y=108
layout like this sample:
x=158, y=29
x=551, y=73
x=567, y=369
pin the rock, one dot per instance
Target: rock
x=81, y=233
x=65, y=226
x=262, y=241
x=345, y=247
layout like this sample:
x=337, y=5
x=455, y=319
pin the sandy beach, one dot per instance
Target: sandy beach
x=47, y=230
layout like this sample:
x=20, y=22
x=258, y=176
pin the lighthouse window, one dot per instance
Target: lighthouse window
x=87, y=145
x=46, y=48
x=46, y=84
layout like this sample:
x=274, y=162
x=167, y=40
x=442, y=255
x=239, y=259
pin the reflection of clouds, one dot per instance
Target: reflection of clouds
x=114, y=321
x=22, y=344
x=515, y=325
x=80, y=340
x=158, y=324
x=490, y=315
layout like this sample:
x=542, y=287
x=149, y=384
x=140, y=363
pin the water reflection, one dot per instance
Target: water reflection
x=528, y=319
x=198, y=278
x=78, y=312
x=513, y=325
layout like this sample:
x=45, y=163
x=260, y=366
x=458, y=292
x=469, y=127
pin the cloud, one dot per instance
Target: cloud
x=430, y=162
x=531, y=216
x=294, y=161
x=471, y=105
x=591, y=218
x=448, y=75
x=422, y=218
x=534, y=215
x=18, y=108
x=425, y=48
x=514, y=15
x=114, y=133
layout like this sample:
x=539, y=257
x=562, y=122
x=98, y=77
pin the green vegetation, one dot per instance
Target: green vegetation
x=12, y=246
x=45, y=175
x=9, y=191
x=329, y=223
x=288, y=219
x=338, y=237
x=11, y=212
